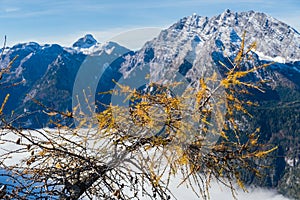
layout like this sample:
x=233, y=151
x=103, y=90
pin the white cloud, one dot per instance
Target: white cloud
x=12, y=9
x=218, y=192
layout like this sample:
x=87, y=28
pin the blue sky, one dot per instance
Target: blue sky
x=50, y=21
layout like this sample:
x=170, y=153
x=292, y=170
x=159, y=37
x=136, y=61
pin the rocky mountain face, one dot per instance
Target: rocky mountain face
x=46, y=73
x=189, y=49
x=193, y=48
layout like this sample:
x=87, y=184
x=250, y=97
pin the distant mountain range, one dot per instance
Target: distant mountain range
x=189, y=48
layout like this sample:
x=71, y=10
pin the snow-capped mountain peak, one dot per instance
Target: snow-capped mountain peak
x=224, y=32
x=85, y=42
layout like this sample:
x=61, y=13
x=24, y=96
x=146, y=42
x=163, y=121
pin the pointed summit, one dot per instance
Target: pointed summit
x=227, y=11
x=85, y=42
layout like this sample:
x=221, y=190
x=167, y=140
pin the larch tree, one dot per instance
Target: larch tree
x=137, y=151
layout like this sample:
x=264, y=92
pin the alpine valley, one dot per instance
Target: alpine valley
x=191, y=47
